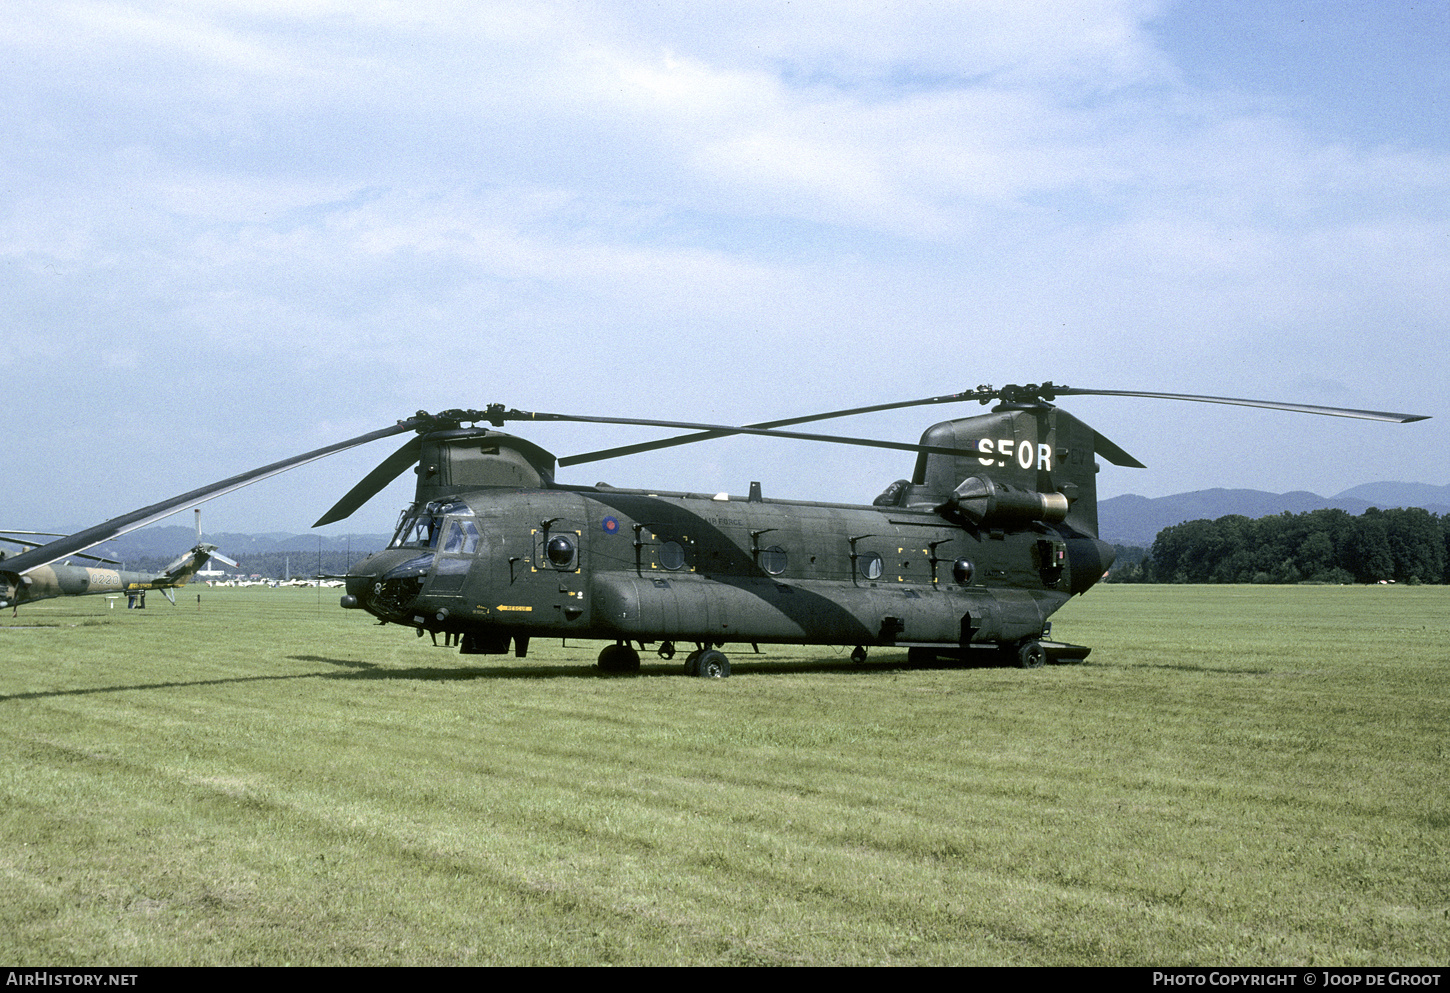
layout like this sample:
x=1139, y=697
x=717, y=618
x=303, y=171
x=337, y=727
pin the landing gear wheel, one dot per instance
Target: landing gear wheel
x=692, y=663
x=712, y=664
x=618, y=659
x=1031, y=655
x=858, y=655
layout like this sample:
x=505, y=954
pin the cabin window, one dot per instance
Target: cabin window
x=672, y=555
x=870, y=565
x=962, y=571
x=561, y=551
x=773, y=560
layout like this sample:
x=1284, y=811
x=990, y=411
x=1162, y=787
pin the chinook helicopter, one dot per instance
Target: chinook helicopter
x=994, y=532
x=968, y=559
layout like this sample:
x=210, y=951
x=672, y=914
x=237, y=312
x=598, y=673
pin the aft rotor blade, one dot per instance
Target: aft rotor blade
x=690, y=439
x=1105, y=447
x=728, y=429
x=81, y=540
x=1303, y=408
x=374, y=482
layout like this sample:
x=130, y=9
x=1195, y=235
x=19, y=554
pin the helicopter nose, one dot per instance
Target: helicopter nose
x=385, y=589
x=357, y=586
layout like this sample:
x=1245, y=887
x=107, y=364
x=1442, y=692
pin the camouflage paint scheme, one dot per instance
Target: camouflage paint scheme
x=976, y=551
x=63, y=579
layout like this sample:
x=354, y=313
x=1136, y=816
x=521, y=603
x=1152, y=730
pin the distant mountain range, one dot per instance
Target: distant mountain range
x=1135, y=520
x=171, y=541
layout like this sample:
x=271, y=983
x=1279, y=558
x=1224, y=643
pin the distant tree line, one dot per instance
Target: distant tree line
x=1406, y=545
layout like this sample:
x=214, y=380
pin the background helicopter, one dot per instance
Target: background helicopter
x=53, y=579
x=993, y=533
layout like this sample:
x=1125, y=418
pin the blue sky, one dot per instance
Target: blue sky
x=233, y=232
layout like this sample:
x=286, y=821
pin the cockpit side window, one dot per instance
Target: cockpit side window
x=462, y=537
x=418, y=532
x=423, y=527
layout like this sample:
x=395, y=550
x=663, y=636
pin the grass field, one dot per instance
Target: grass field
x=1237, y=775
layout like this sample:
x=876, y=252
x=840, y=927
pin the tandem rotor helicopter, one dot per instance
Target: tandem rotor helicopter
x=995, y=531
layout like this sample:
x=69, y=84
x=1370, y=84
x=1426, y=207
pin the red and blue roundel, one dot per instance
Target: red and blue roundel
x=610, y=525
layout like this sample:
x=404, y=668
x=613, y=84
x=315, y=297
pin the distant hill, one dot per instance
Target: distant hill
x=1136, y=520
x=173, y=540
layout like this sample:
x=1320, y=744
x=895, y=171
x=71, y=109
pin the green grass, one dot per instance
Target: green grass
x=1238, y=775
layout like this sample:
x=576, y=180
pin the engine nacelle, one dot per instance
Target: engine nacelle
x=988, y=503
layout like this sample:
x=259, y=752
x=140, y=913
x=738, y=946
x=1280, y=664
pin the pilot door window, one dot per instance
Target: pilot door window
x=461, y=538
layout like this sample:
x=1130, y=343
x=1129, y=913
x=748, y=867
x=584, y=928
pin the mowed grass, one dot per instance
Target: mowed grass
x=1237, y=775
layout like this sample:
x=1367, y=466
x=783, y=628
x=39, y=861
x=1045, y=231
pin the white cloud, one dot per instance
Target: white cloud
x=604, y=205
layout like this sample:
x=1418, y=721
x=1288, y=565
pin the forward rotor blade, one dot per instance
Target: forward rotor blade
x=81, y=540
x=1303, y=408
x=723, y=429
x=374, y=482
x=690, y=439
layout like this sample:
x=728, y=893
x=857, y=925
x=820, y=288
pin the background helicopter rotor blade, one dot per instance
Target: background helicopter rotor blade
x=374, y=482
x=81, y=540
x=222, y=558
x=27, y=545
x=210, y=550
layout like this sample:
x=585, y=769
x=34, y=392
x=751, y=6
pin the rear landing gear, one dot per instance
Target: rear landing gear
x=708, y=663
x=1031, y=655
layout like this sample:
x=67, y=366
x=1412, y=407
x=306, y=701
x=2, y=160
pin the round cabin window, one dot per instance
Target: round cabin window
x=962, y=571
x=773, y=560
x=672, y=555
x=561, y=551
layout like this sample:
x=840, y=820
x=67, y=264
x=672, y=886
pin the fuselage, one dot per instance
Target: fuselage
x=502, y=565
x=63, y=579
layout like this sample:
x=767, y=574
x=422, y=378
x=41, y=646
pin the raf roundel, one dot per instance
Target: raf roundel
x=610, y=525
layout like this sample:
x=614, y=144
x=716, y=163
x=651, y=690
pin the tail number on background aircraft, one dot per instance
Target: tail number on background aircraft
x=1004, y=448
